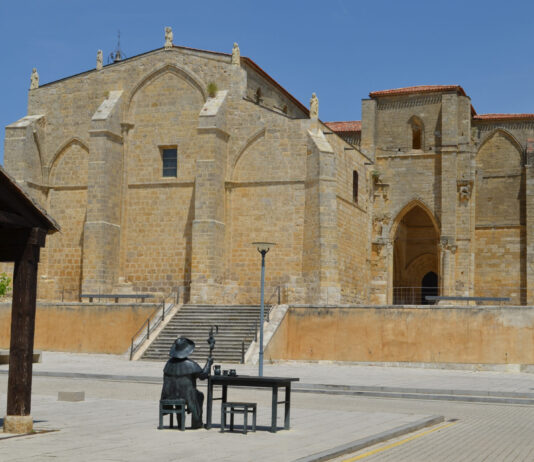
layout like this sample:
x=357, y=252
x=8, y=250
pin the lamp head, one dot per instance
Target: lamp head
x=263, y=246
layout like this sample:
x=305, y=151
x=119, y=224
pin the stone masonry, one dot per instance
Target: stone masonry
x=423, y=189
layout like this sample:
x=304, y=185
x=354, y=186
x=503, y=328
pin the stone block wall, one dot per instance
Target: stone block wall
x=354, y=222
x=242, y=176
x=500, y=264
x=257, y=168
x=158, y=236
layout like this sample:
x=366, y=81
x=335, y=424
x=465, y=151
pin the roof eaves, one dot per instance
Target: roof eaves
x=345, y=126
x=418, y=89
x=264, y=74
x=503, y=117
x=133, y=57
x=11, y=183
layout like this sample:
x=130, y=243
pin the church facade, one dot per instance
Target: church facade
x=164, y=168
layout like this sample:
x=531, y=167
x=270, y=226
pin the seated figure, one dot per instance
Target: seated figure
x=180, y=378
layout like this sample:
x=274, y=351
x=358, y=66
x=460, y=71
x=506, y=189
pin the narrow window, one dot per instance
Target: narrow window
x=416, y=137
x=355, y=186
x=169, y=158
x=417, y=133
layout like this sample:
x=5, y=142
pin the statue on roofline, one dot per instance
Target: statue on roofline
x=34, y=81
x=168, y=38
x=236, y=55
x=99, y=60
x=314, y=107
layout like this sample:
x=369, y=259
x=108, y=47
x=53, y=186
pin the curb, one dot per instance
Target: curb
x=362, y=443
x=434, y=397
x=469, y=396
x=436, y=391
x=112, y=377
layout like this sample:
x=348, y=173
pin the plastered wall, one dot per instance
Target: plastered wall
x=81, y=327
x=485, y=335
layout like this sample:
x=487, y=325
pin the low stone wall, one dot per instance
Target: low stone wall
x=81, y=327
x=422, y=334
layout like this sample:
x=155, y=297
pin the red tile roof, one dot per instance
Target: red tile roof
x=347, y=126
x=418, y=89
x=503, y=116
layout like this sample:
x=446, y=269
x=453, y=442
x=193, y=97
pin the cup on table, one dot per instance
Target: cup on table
x=232, y=373
x=217, y=369
x=225, y=372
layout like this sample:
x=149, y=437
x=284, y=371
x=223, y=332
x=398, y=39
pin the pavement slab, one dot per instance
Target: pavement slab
x=118, y=419
x=125, y=430
x=323, y=372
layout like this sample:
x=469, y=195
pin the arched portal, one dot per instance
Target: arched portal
x=415, y=257
x=429, y=287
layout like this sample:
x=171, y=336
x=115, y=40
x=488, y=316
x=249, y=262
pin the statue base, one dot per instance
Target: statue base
x=18, y=424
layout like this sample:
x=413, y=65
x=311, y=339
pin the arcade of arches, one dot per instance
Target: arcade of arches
x=415, y=258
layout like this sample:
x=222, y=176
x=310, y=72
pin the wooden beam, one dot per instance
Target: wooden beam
x=12, y=243
x=15, y=200
x=13, y=220
x=23, y=325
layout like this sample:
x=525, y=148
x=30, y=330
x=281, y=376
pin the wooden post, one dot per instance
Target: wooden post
x=18, y=418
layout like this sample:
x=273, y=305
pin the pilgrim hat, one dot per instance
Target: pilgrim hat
x=182, y=348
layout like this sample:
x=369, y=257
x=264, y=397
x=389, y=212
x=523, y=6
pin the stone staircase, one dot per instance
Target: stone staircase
x=236, y=324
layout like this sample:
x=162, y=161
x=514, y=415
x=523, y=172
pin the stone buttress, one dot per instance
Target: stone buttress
x=101, y=239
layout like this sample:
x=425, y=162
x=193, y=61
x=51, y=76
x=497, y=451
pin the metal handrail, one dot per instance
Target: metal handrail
x=417, y=295
x=157, y=321
x=254, y=329
x=277, y=289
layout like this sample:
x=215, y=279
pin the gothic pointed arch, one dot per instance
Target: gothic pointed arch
x=507, y=135
x=78, y=152
x=190, y=77
x=415, y=236
x=403, y=210
x=248, y=143
x=500, y=180
x=500, y=214
x=261, y=160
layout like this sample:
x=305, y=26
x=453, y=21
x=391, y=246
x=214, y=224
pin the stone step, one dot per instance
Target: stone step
x=171, y=333
x=235, y=322
x=201, y=323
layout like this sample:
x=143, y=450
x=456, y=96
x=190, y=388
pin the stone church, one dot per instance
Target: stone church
x=163, y=169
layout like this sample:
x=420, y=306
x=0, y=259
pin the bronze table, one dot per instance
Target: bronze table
x=251, y=381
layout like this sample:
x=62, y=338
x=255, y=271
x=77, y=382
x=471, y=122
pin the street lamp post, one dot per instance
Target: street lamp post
x=263, y=248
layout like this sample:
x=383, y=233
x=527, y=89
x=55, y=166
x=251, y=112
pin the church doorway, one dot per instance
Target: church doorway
x=415, y=257
x=429, y=286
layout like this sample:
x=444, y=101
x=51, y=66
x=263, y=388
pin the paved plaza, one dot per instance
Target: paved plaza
x=118, y=419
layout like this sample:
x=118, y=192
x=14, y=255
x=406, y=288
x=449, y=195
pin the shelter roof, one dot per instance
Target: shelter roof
x=19, y=210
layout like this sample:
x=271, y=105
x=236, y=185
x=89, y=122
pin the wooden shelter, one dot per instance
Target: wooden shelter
x=23, y=229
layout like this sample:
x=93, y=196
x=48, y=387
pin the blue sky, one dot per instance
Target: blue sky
x=340, y=49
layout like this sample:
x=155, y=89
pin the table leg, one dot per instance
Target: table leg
x=224, y=399
x=209, y=405
x=287, y=406
x=274, y=405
